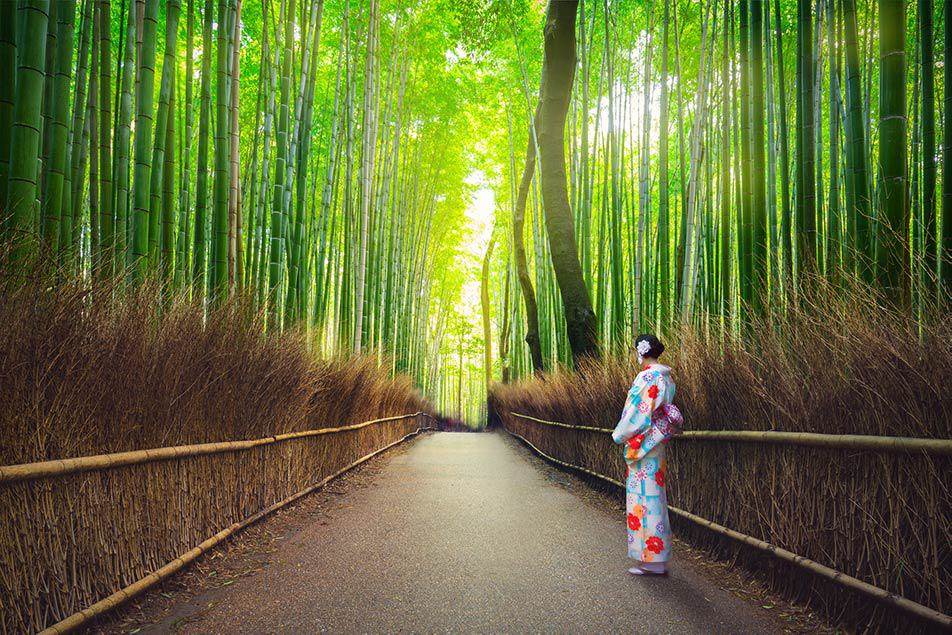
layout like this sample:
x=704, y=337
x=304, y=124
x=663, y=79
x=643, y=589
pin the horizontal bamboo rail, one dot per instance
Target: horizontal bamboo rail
x=838, y=577
x=60, y=467
x=939, y=447
x=77, y=620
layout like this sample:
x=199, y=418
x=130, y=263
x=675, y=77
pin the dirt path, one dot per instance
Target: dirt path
x=460, y=532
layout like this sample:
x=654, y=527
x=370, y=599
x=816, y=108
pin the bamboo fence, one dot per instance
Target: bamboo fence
x=98, y=530
x=877, y=507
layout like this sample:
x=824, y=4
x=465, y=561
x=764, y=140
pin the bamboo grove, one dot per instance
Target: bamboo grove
x=317, y=158
x=717, y=152
x=298, y=153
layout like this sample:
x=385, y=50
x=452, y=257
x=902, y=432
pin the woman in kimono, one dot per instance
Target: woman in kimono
x=647, y=422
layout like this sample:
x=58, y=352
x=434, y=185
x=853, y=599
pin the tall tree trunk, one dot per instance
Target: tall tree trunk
x=559, y=72
x=519, y=250
x=893, y=248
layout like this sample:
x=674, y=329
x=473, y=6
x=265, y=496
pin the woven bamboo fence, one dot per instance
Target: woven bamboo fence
x=868, y=517
x=78, y=532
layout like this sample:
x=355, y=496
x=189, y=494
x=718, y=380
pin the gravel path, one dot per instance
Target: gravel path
x=464, y=533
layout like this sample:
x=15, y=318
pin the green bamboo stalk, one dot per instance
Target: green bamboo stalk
x=204, y=128
x=106, y=223
x=25, y=133
x=8, y=79
x=143, y=143
x=157, y=212
x=59, y=130
x=893, y=248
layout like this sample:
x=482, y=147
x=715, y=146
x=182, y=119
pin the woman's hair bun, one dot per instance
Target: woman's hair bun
x=649, y=346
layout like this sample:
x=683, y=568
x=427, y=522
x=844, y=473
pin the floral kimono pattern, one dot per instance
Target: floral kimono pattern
x=649, y=532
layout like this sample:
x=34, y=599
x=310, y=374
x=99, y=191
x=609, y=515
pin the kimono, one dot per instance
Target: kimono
x=643, y=431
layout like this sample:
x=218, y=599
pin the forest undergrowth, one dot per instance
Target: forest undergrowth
x=99, y=367
x=837, y=360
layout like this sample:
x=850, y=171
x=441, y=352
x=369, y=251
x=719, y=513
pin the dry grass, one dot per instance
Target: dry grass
x=83, y=373
x=839, y=363
x=88, y=369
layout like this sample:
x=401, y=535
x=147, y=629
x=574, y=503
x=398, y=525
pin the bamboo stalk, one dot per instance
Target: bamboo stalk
x=838, y=577
x=940, y=447
x=76, y=620
x=60, y=467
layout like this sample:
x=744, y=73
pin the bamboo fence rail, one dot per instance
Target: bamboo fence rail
x=777, y=475
x=60, y=467
x=939, y=447
x=91, y=525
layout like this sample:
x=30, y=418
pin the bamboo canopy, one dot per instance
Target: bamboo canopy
x=939, y=447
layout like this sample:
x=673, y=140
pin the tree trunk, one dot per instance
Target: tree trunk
x=519, y=250
x=559, y=72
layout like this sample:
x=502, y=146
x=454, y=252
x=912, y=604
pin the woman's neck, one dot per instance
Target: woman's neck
x=648, y=361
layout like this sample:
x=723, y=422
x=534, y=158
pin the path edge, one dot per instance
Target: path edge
x=111, y=602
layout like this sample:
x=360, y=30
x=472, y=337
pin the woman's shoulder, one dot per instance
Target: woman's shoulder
x=645, y=377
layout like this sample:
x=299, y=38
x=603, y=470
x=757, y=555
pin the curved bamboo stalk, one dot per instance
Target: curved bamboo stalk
x=76, y=620
x=940, y=447
x=60, y=467
x=854, y=584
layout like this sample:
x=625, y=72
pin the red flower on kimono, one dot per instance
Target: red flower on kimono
x=659, y=478
x=635, y=441
x=653, y=392
x=634, y=523
x=655, y=544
